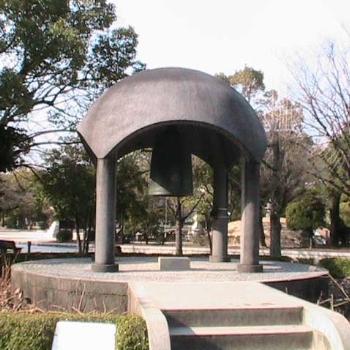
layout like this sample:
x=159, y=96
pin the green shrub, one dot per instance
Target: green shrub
x=132, y=333
x=64, y=235
x=19, y=331
x=35, y=331
x=305, y=214
x=337, y=267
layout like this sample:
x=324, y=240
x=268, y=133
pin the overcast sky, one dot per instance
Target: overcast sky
x=224, y=35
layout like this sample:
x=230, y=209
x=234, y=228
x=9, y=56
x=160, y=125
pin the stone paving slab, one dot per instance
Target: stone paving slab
x=219, y=295
x=133, y=269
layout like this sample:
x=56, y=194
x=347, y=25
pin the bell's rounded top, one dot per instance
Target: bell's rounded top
x=140, y=103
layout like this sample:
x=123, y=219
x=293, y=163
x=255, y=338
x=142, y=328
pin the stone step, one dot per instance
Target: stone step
x=290, y=337
x=245, y=316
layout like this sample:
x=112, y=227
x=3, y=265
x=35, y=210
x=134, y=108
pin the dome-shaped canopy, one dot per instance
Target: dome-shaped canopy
x=127, y=115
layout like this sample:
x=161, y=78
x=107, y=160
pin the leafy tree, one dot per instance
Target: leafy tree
x=306, y=214
x=14, y=143
x=56, y=55
x=20, y=205
x=345, y=212
x=136, y=210
x=248, y=81
x=69, y=184
x=203, y=184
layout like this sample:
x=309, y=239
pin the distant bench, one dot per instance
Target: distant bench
x=9, y=247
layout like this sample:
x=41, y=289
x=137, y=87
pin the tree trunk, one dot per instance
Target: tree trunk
x=179, y=238
x=275, y=234
x=2, y=218
x=275, y=224
x=179, y=225
x=162, y=237
x=87, y=235
x=335, y=220
x=77, y=229
x=208, y=229
x=262, y=233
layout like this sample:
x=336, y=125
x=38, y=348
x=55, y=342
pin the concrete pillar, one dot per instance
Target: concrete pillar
x=105, y=216
x=249, y=261
x=220, y=223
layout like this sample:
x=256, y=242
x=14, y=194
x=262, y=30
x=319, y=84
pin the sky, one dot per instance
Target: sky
x=225, y=35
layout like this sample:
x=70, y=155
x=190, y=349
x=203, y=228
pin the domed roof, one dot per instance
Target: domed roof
x=137, y=105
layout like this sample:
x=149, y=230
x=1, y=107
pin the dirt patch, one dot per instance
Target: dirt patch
x=339, y=299
x=289, y=238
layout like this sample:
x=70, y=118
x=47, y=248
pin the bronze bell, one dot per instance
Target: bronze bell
x=171, y=166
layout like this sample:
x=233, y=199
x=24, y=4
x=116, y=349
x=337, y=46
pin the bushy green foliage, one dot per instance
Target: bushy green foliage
x=337, y=267
x=64, y=235
x=345, y=212
x=36, y=331
x=51, y=51
x=132, y=333
x=21, y=331
x=19, y=202
x=305, y=214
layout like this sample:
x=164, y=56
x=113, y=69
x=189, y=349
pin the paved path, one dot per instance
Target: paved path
x=223, y=295
x=190, y=250
x=23, y=236
x=45, y=239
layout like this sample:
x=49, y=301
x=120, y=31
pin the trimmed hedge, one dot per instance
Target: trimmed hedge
x=22, y=330
x=337, y=267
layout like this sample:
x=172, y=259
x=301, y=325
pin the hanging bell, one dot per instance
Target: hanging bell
x=171, y=166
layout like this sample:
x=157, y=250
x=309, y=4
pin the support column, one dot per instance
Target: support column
x=220, y=223
x=249, y=261
x=105, y=216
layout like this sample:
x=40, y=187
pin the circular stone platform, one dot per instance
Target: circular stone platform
x=70, y=283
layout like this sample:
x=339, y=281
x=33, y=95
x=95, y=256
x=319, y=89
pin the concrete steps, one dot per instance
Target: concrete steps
x=234, y=315
x=243, y=316
x=267, y=327
x=242, y=338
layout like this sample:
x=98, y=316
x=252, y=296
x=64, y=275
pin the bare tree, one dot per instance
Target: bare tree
x=284, y=162
x=324, y=94
x=176, y=206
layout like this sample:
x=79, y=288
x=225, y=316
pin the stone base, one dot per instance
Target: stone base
x=249, y=268
x=173, y=263
x=217, y=259
x=54, y=283
x=105, y=267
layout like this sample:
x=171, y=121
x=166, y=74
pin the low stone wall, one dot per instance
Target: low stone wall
x=57, y=293
x=309, y=289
